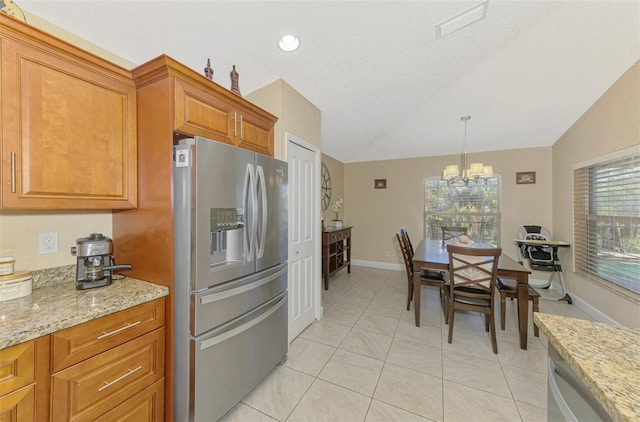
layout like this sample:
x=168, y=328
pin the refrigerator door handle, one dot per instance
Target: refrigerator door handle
x=249, y=198
x=204, y=300
x=264, y=209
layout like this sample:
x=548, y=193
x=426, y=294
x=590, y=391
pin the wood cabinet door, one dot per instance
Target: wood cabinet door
x=199, y=113
x=17, y=367
x=254, y=133
x=19, y=406
x=68, y=132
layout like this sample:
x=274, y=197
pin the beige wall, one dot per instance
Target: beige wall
x=377, y=214
x=52, y=29
x=19, y=235
x=296, y=115
x=611, y=124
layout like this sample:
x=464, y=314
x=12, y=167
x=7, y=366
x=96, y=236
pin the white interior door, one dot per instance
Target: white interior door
x=304, y=231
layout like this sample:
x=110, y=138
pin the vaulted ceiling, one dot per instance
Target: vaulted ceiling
x=387, y=88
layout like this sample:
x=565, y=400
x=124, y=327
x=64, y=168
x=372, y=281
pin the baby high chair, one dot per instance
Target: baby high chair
x=540, y=257
x=535, y=245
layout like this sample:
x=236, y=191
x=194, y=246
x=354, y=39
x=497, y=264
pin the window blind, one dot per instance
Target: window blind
x=607, y=223
x=476, y=206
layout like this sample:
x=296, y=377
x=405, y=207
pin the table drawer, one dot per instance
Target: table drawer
x=75, y=344
x=95, y=386
x=17, y=367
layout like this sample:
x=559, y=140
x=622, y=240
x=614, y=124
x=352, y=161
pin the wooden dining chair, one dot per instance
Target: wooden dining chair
x=425, y=273
x=450, y=232
x=472, y=281
x=438, y=280
x=509, y=289
x=407, y=240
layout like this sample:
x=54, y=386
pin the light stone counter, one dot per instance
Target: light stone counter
x=605, y=357
x=55, y=307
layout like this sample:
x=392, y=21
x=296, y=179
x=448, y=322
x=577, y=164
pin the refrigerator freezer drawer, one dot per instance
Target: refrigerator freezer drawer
x=232, y=360
x=224, y=302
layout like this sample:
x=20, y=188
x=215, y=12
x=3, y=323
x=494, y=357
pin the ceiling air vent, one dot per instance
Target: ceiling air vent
x=462, y=19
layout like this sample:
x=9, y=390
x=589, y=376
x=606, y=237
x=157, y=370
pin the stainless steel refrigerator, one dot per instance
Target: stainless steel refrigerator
x=230, y=293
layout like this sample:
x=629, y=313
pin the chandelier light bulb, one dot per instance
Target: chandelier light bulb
x=475, y=172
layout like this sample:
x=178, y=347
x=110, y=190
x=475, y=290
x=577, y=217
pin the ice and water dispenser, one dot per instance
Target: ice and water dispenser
x=226, y=240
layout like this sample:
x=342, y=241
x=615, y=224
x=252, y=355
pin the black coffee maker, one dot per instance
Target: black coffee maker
x=95, y=265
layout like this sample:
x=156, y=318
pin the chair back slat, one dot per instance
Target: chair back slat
x=450, y=233
x=407, y=240
x=472, y=271
x=405, y=255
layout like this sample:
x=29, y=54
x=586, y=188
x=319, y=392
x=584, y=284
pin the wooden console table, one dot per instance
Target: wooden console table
x=336, y=251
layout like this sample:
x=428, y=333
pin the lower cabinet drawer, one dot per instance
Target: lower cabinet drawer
x=72, y=345
x=147, y=405
x=89, y=389
x=17, y=367
x=19, y=405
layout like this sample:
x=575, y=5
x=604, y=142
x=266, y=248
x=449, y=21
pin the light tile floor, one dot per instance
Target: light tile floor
x=367, y=361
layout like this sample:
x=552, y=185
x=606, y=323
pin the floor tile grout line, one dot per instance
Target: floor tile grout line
x=383, y=292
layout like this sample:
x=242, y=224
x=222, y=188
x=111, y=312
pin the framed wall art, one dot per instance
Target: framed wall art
x=380, y=183
x=525, y=177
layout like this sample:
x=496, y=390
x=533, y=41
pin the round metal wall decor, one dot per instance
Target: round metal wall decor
x=325, y=187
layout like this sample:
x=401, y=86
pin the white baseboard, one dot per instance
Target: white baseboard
x=581, y=304
x=376, y=264
x=590, y=310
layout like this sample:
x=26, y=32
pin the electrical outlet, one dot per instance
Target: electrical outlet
x=48, y=242
x=387, y=253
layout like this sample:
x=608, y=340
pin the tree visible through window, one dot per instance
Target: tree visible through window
x=607, y=220
x=476, y=206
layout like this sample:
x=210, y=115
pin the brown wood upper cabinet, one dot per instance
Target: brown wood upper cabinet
x=68, y=125
x=200, y=107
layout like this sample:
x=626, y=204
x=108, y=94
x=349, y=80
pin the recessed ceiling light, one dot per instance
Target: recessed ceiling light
x=289, y=43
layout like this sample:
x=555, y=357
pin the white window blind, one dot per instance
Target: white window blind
x=607, y=222
x=476, y=206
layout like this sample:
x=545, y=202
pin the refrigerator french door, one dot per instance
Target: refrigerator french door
x=230, y=227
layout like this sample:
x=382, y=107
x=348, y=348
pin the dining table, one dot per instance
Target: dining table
x=432, y=254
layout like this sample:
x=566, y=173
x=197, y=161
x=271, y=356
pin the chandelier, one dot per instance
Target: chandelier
x=475, y=172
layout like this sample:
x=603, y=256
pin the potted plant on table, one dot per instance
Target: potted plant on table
x=335, y=207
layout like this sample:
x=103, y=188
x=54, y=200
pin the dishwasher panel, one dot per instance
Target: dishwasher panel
x=568, y=398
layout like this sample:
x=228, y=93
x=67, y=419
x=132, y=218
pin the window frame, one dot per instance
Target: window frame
x=595, y=211
x=497, y=216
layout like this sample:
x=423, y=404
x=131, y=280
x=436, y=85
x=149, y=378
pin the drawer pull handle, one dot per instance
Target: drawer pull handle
x=126, y=327
x=120, y=378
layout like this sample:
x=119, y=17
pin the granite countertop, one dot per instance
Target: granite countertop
x=605, y=357
x=55, y=307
